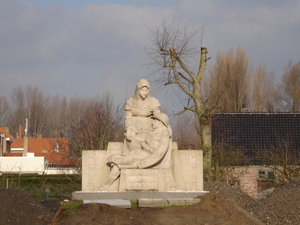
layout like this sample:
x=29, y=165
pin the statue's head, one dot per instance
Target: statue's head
x=161, y=117
x=142, y=89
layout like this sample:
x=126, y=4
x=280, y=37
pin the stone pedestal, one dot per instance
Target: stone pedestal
x=147, y=187
x=187, y=170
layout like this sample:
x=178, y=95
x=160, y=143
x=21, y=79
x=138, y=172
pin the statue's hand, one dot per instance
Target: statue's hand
x=109, y=158
x=130, y=166
x=128, y=138
x=113, y=157
x=147, y=148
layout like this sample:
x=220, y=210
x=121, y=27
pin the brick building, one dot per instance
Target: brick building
x=264, y=139
x=55, y=150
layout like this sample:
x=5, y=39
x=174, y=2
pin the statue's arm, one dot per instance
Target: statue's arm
x=155, y=106
x=128, y=116
x=156, y=157
x=128, y=112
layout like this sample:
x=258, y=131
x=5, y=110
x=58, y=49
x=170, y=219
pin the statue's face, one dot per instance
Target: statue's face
x=156, y=124
x=144, y=91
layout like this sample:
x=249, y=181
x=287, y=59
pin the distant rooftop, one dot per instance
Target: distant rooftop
x=258, y=135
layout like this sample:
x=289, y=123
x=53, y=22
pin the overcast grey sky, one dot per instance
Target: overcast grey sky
x=85, y=48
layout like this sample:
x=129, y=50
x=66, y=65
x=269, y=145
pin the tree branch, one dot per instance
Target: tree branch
x=190, y=109
x=185, y=78
x=175, y=73
x=184, y=67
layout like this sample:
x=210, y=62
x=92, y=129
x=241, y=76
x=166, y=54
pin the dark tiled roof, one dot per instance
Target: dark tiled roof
x=256, y=134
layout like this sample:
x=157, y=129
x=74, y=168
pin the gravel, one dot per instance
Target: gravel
x=280, y=205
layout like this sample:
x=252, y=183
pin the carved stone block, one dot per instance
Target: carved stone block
x=141, y=180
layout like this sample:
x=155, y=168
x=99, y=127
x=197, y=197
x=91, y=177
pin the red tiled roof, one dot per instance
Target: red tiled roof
x=37, y=145
x=10, y=154
x=17, y=143
x=55, y=150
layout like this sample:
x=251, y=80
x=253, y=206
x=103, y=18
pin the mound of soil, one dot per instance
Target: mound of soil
x=213, y=209
x=223, y=205
x=17, y=207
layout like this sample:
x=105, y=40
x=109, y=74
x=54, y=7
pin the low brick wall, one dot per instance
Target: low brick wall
x=247, y=179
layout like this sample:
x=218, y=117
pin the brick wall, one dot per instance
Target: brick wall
x=246, y=179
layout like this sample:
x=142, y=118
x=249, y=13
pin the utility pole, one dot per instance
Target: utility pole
x=25, y=147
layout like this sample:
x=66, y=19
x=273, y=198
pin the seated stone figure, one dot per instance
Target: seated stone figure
x=138, y=112
x=147, y=149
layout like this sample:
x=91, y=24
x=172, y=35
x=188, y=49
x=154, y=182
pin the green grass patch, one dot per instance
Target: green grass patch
x=175, y=206
x=42, y=187
x=70, y=207
x=134, y=204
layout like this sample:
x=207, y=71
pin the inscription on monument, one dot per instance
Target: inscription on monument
x=141, y=180
x=193, y=166
x=91, y=167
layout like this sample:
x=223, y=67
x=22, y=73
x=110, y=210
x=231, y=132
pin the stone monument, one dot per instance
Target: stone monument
x=147, y=165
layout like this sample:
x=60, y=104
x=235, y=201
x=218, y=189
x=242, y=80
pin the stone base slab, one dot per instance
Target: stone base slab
x=145, y=202
x=144, y=199
x=113, y=202
x=167, y=202
x=95, y=195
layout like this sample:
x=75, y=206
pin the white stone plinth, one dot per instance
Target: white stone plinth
x=187, y=169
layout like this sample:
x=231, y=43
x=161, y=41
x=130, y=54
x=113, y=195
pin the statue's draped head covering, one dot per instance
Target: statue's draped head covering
x=162, y=117
x=139, y=85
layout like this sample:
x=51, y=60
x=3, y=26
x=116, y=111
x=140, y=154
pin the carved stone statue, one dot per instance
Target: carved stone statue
x=138, y=112
x=148, y=138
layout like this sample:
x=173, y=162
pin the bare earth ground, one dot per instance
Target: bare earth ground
x=224, y=205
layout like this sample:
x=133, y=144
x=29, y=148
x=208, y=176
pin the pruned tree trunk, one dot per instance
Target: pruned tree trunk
x=172, y=44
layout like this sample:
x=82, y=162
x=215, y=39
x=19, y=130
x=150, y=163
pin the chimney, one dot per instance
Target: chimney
x=20, y=132
x=2, y=139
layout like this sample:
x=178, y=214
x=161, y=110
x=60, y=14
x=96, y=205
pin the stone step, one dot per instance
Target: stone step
x=145, y=202
x=113, y=202
x=167, y=202
x=92, y=195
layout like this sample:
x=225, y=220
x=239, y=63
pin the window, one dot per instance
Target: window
x=264, y=175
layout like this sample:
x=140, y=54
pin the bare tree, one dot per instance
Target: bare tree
x=37, y=105
x=58, y=118
x=172, y=51
x=291, y=87
x=264, y=93
x=284, y=159
x=4, y=111
x=259, y=93
x=29, y=103
x=99, y=123
x=229, y=81
x=185, y=131
x=18, y=110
